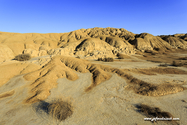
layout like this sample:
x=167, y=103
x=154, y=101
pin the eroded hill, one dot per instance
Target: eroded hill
x=86, y=43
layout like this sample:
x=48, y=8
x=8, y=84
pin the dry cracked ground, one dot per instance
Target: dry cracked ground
x=63, y=83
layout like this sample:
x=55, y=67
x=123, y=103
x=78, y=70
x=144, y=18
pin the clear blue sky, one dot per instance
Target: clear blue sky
x=57, y=16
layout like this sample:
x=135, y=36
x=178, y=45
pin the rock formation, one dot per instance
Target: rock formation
x=86, y=43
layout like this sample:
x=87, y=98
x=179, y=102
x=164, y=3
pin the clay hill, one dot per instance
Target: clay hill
x=87, y=43
x=103, y=76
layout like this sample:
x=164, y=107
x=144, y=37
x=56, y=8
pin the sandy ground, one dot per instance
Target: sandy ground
x=108, y=103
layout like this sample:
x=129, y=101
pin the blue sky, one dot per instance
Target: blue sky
x=58, y=16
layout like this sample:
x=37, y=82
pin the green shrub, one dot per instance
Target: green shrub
x=23, y=57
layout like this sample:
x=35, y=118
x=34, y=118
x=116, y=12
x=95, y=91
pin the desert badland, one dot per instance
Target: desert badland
x=96, y=76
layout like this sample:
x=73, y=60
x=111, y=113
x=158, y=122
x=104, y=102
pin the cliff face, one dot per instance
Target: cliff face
x=88, y=43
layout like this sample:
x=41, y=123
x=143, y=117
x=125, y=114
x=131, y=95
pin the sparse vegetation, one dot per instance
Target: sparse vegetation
x=183, y=58
x=153, y=111
x=152, y=52
x=122, y=56
x=106, y=59
x=148, y=51
x=22, y=57
x=99, y=59
x=163, y=65
x=157, y=49
x=60, y=110
x=177, y=63
x=77, y=57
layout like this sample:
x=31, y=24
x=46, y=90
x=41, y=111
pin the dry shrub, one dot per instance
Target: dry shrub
x=145, y=56
x=183, y=58
x=155, y=61
x=99, y=59
x=106, y=59
x=122, y=56
x=148, y=51
x=152, y=52
x=153, y=111
x=152, y=71
x=147, y=89
x=23, y=57
x=183, y=100
x=78, y=57
x=60, y=110
x=159, y=90
x=177, y=63
x=163, y=65
x=157, y=49
x=167, y=70
x=143, y=88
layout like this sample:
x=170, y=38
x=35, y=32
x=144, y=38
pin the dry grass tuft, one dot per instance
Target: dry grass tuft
x=153, y=111
x=161, y=70
x=163, y=65
x=183, y=58
x=60, y=110
x=23, y=57
x=177, y=63
x=99, y=59
x=147, y=89
x=78, y=57
x=106, y=59
x=122, y=56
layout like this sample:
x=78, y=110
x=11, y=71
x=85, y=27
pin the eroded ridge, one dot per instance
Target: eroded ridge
x=44, y=79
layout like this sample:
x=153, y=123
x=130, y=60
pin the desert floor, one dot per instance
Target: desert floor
x=102, y=94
